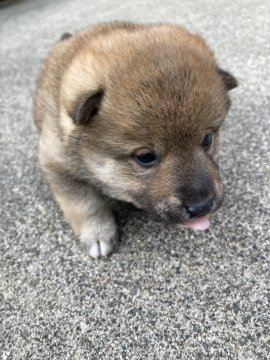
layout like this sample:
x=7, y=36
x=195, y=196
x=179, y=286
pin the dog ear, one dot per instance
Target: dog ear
x=65, y=36
x=87, y=108
x=229, y=80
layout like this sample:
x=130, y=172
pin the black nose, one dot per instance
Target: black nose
x=200, y=208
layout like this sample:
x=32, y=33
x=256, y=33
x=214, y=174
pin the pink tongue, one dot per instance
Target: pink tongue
x=200, y=223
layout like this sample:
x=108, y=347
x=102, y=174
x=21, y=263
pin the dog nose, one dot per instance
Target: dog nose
x=200, y=208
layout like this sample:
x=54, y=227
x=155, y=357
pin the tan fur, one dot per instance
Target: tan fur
x=157, y=89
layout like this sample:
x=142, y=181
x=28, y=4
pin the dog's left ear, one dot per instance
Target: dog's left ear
x=229, y=80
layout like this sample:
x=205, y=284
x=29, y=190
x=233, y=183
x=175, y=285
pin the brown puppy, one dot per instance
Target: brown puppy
x=131, y=112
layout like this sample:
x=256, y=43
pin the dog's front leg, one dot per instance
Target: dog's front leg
x=88, y=213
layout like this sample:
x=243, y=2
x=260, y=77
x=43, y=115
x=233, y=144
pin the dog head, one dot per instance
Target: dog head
x=146, y=112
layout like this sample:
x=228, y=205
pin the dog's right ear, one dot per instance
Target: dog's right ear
x=82, y=89
x=87, y=108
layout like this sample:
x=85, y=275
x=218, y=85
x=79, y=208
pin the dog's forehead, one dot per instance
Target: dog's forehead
x=169, y=105
x=163, y=97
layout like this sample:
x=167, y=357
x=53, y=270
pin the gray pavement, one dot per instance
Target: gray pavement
x=167, y=292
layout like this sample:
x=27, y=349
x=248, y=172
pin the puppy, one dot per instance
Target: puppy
x=131, y=112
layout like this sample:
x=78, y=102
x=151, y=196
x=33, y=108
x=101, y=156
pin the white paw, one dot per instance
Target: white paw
x=100, y=248
x=99, y=236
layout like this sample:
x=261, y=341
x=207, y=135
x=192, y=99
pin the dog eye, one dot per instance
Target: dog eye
x=207, y=141
x=147, y=159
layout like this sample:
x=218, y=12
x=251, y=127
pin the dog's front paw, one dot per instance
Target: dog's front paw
x=99, y=237
x=100, y=248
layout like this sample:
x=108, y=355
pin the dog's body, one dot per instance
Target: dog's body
x=131, y=112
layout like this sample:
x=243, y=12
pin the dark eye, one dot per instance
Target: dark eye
x=147, y=159
x=207, y=141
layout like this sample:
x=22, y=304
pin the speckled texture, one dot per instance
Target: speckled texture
x=167, y=292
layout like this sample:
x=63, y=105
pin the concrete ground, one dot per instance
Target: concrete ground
x=167, y=292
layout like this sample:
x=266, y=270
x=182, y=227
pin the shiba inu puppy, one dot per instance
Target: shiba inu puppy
x=131, y=112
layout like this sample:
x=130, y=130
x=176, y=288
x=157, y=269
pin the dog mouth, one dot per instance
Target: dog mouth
x=192, y=217
x=199, y=223
x=180, y=215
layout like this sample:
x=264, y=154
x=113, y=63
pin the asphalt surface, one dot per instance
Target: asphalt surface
x=166, y=292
